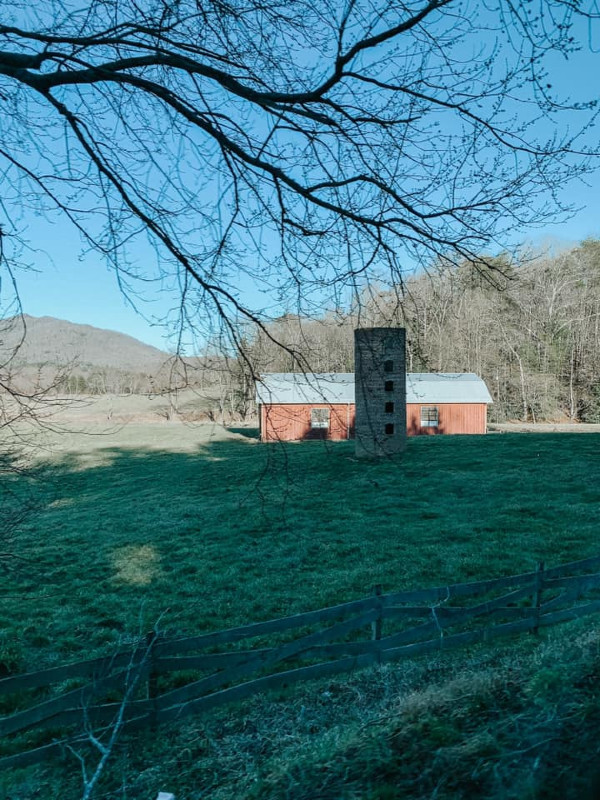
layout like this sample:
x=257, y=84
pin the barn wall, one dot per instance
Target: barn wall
x=291, y=422
x=453, y=418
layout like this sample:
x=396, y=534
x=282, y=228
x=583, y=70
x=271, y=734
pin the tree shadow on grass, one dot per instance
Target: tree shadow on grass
x=249, y=433
x=234, y=531
x=198, y=538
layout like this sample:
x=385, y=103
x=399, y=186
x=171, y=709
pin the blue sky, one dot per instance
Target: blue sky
x=77, y=286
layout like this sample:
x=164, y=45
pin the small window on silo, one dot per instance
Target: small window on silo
x=389, y=386
x=388, y=366
x=389, y=408
x=319, y=418
x=389, y=428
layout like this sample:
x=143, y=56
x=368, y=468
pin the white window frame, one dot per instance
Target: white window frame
x=430, y=423
x=320, y=424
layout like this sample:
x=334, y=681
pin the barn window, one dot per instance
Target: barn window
x=389, y=428
x=429, y=417
x=388, y=366
x=319, y=418
x=389, y=386
x=389, y=408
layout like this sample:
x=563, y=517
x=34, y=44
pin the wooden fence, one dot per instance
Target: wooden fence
x=377, y=629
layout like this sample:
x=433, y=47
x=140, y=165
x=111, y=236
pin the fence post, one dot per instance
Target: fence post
x=537, y=597
x=377, y=625
x=151, y=638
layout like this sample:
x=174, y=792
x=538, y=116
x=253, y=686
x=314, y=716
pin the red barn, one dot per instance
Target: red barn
x=294, y=406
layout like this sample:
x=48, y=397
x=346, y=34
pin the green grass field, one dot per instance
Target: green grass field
x=207, y=530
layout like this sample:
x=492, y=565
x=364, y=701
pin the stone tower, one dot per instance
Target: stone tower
x=380, y=391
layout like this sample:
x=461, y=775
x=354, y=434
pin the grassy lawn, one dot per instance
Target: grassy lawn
x=213, y=532
x=208, y=529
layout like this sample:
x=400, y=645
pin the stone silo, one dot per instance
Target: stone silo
x=380, y=391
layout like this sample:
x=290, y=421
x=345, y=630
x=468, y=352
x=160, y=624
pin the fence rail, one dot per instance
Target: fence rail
x=377, y=629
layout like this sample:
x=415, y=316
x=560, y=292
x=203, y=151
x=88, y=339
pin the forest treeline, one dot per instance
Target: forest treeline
x=530, y=329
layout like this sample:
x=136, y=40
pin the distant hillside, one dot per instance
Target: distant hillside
x=50, y=341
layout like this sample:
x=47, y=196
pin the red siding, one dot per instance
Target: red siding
x=452, y=417
x=291, y=422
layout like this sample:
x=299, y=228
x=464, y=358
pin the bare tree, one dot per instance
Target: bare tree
x=298, y=148
x=530, y=326
x=105, y=743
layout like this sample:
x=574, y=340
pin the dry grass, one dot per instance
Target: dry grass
x=521, y=722
x=108, y=412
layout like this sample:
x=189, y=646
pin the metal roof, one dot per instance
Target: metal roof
x=297, y=387
x=446, y=387
x=338, y=387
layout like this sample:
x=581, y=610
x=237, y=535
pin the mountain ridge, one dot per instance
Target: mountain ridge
x=52, y=341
